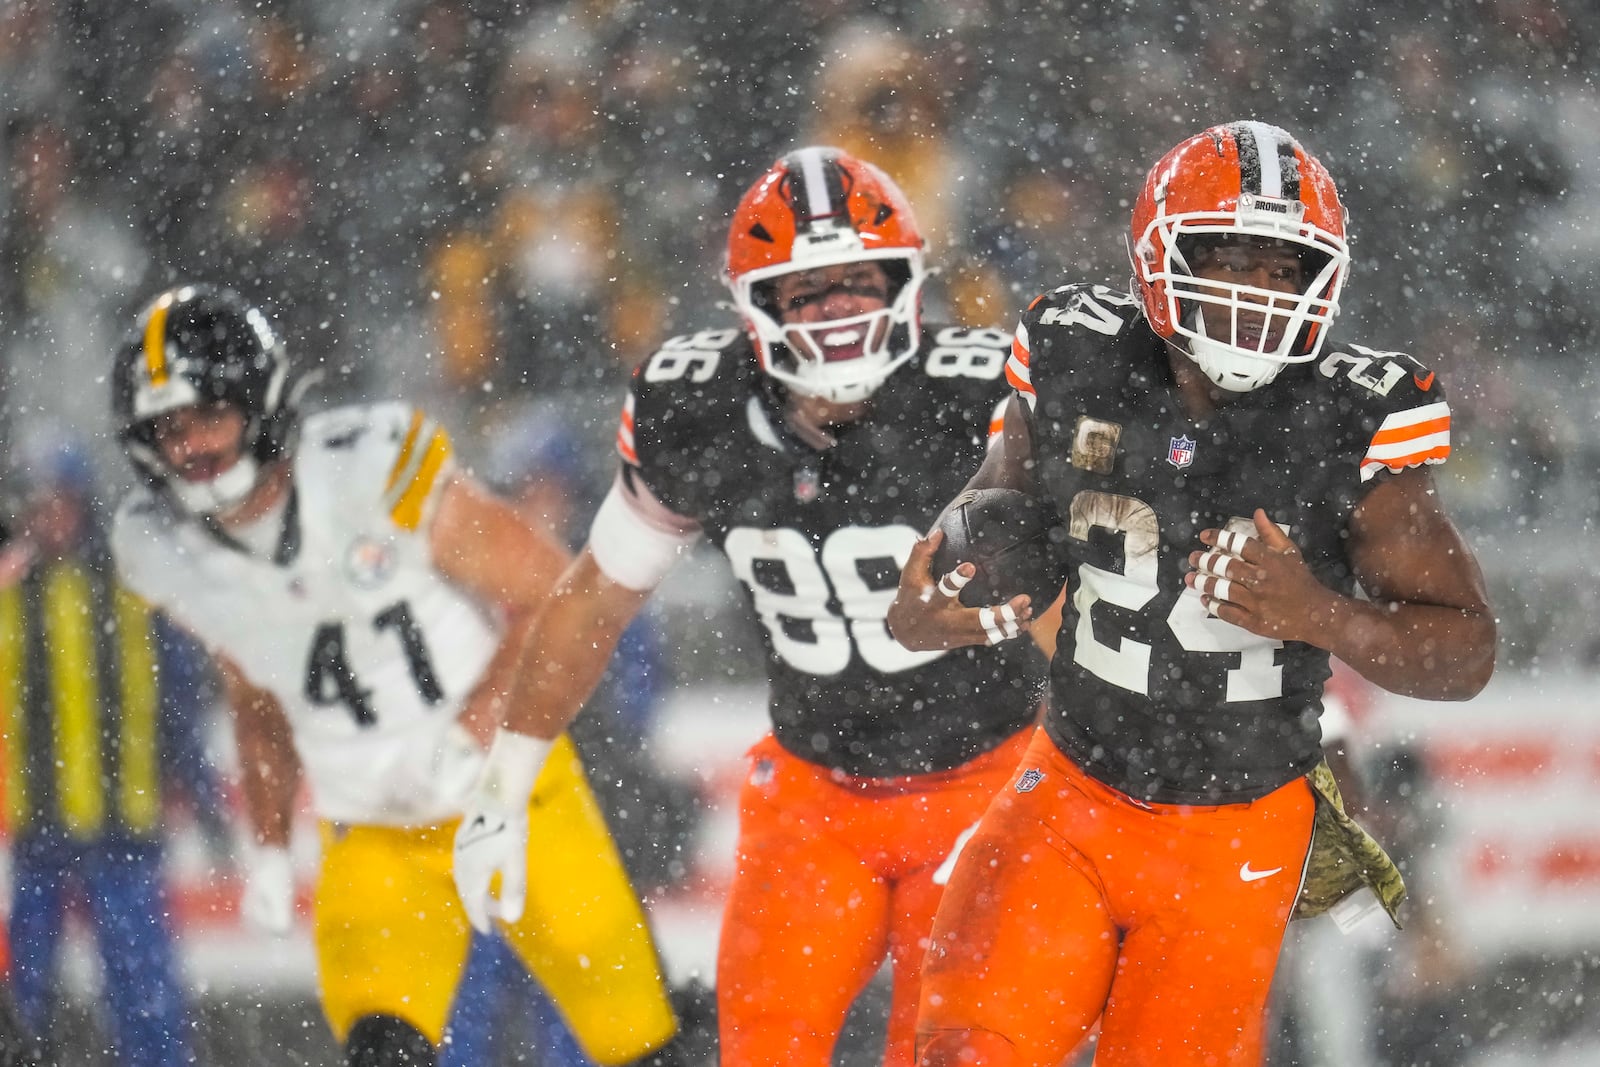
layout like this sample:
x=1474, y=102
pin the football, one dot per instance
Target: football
x=1012, y=538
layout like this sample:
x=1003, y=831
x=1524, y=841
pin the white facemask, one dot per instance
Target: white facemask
x=1230, y=367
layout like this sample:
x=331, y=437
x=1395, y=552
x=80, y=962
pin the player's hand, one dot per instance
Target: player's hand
x=268, y=900
x=492, y=841
x=927, y=613
x=1260, y=582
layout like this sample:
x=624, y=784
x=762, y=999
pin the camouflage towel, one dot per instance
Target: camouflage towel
x=1344, y=857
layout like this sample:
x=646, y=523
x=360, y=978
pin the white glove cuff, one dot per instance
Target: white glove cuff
x=271, y=865
x=512, y=768
x=457, y=766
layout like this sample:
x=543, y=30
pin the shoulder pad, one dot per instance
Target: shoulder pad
x=695, y=359
x=1383, y=379
x=1402, y=402
x=141, y=535
x=344, y=428
x=391, y=451
x=965, y=352
x=1098, y=308
x=1066, y=318
x=687, y=378
x=140, y=503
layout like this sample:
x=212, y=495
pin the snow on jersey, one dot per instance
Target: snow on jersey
x=818, y=539
x=367, y=647
x=1149, y=692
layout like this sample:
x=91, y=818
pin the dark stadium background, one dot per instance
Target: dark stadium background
x=498, y=209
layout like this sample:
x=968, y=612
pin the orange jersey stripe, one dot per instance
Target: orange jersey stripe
x=1416, y=429
x=1019, y=350
x=625, y=433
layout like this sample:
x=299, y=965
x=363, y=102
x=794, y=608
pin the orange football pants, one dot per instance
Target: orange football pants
x=834, y=873
x=1073, y=904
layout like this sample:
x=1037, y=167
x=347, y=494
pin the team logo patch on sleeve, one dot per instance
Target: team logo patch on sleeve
x=1029, y=779
x=1180, y=453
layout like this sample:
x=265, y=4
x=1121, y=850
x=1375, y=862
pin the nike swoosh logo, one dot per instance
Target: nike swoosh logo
x=1423, y=383
x=1247, y=875
x=478, y=830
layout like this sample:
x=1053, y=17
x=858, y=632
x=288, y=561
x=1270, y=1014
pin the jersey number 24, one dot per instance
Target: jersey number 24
x=1124, y=661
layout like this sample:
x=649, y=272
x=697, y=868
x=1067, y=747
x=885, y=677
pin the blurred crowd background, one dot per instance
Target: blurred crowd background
x=483, y=203
x=497, y=208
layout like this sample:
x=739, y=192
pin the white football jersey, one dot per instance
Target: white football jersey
x=369, y=649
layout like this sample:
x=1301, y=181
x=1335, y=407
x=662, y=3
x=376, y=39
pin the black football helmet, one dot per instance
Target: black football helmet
x=204, y=344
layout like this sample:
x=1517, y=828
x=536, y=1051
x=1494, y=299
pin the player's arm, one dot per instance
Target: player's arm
x=566, y=654
x=633, y=543
x=482, y=545
x=1046, y=626
x=925, y=613
x=269, y=769
x=1427, y=630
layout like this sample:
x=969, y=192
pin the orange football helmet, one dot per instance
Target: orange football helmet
x=820, y=207
x=1244, y=179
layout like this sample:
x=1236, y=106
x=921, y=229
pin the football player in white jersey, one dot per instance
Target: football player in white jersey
x=365, y=600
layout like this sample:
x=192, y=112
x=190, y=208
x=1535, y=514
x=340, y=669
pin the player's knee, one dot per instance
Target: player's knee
x=964, y=1048
x=385, y=1041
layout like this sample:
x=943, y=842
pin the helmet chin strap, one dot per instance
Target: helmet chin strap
x=227, y=490
x=1221, y=362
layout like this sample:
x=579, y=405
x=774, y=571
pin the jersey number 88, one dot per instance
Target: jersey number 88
x=795, y=586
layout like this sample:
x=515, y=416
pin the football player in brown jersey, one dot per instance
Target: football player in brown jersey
x=811, y=447
x=1140, y=870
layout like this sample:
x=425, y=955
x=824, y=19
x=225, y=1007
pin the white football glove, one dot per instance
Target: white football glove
x=493, y=836
x=456, y=766
x=268, y=900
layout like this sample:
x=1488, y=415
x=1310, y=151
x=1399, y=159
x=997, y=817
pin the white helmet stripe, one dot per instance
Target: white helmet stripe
x=816, y=181
x=1266, y=146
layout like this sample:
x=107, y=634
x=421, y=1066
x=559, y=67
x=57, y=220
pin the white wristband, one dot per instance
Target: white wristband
x=512, y=768
x=272, y=861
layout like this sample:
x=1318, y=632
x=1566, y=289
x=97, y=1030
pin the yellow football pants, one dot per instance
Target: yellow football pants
x=391, y=935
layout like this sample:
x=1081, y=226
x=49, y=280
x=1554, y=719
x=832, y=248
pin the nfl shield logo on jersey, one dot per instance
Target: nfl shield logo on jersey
x=1180, y=453
x=1028, y=779
x=807, y=484
x=369, y=562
